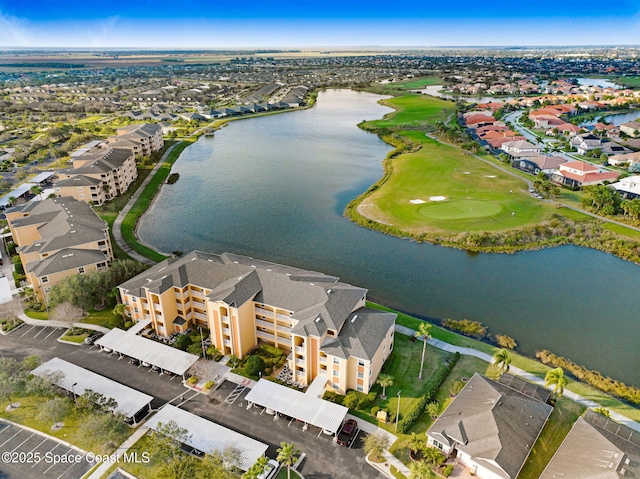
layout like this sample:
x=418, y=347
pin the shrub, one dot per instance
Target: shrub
x=183, y=342
x=272, y=350
x=506, y=341
x=447, y=470
x=254, y=365
x=419, y=406
x=456, y=387
x=595, y=378
x=209, y=384
x=351, y=400
x=195, y=348
x=128, y=324
x=374, y=410
x=192, y=380
x=466, y=327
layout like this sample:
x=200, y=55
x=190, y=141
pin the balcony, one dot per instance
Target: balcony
x=323, y=360
x=200, y=316
x=266, y=336
x=284, y=317
x=225, y=319
x=264, y=312
x=226, y=331
x=178, y=295
x=197, y=294
x=264, y=324
x=227, y=343
x=300, y=363
x=284, y=329
x=300, y=350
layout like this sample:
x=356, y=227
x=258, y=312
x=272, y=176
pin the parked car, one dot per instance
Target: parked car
x=270, y=470
x=145, y=364
x=93, y=338
x=134, y=361
x=347, y=433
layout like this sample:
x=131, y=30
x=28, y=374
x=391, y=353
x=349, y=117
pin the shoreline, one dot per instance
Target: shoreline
x=471, y=242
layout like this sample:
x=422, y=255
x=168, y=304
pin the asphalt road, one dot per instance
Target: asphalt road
x=324, y=458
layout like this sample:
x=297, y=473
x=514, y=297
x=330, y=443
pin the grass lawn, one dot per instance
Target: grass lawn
x=413, y=109
x=26, y=415
x=90, y=119
x=139, y=469
x=76, y=338
x=621, y=230
x=528, y=364
x=104, y=318
x=414, y=84
x=560, y=422
x=628, y=81
x=36, y=314
x=144, y=201
x=282, y=474
x=477, y=196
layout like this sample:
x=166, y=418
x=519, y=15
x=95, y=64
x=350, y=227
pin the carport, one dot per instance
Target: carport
x=303, y=407
x=206, y=436
x=132, y=404
x=146, y=350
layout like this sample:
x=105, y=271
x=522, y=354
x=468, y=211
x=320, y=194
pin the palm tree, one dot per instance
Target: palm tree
x=423, y=331
x=287, y=455
x=12, y=200
x=556, y=378
x=385, y=380
x=36, y=190
x=502, y=360
x=258, y=468
x=420, y=470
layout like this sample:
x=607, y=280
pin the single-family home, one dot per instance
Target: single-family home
x=631, y=128
x=585, y=142
x=596, y=448
x=626, y=158
x=577, y=174
x=490, y=427
x=534, y=165
x=629, y=187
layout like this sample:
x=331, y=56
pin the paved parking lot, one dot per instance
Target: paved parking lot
x=38, y=334
x=29, y=455
x=324, y=458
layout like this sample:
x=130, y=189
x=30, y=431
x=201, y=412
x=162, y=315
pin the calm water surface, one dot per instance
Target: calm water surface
x=275, y=188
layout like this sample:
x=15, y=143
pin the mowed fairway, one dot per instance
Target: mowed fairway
x=477, y=196
x=414, y=109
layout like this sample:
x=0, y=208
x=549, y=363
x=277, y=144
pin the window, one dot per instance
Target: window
x=336, y=360
x=361, y=363
x=335, y=385
x=360, y=375
x=437, y=444
x=336, y=373
x=359, y=387
x=44, y=279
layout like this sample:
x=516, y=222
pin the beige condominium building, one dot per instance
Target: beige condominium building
x=142, y=139
x=323, y=324
x=98, y=175
x=56, y=238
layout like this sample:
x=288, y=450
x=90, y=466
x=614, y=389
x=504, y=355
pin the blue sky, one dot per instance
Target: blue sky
x=287, y=23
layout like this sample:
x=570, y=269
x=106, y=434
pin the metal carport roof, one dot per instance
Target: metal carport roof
x=77, y=380
x=305, y=407
x=207, y=436
x=149, y=351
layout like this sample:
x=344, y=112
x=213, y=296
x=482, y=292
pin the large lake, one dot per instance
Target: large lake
x=275, y=188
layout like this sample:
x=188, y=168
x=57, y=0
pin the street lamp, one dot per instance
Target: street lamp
x=398, y=411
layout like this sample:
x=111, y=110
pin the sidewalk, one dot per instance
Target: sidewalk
x=117, y=225
x=124, y=447
x=519, y=372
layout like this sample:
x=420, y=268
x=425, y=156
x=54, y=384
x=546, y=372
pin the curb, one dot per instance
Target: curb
x=48, y=436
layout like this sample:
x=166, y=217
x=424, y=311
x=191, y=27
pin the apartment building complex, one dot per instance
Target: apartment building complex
x=98, y=175
x=56, y=238
x=142, y=139
x=323, y=324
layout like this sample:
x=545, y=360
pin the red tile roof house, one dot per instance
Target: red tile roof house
x=576, y=174
x=567, y=129
x=497, y=143
x=475, y=121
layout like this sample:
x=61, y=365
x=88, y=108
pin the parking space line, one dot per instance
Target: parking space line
x=6, y=426
x=43, y=441
x=53, y=463
x=32, y=434
x=355, y=438
x=27, y=331
x=39, y=332
x=72, y=464
x=19, y=431
x=52, y=331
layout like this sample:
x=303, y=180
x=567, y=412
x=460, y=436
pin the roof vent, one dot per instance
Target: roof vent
x=235, y=262
x=288, y=274
x=354, y=318
x=253, y=265
x=312, y=284
x=328, y=291
x=318, y=319
x=72, y=231
x=193, y=259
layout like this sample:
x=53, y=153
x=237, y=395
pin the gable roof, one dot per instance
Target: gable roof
x=596, y=448
x=493, y=423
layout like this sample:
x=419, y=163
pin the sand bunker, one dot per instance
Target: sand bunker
x=437, y=198
x=466, y=172
x=417, y=202
x=490, y=176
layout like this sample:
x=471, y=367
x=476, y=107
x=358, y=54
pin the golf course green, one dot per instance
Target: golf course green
x=439, y=188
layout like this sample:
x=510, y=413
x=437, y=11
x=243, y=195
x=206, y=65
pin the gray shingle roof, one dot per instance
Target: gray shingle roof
x=79, y=180
x=65, y=260
x=237, y=279
x=596, y=447
x=496, y=425
x=361, y=335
